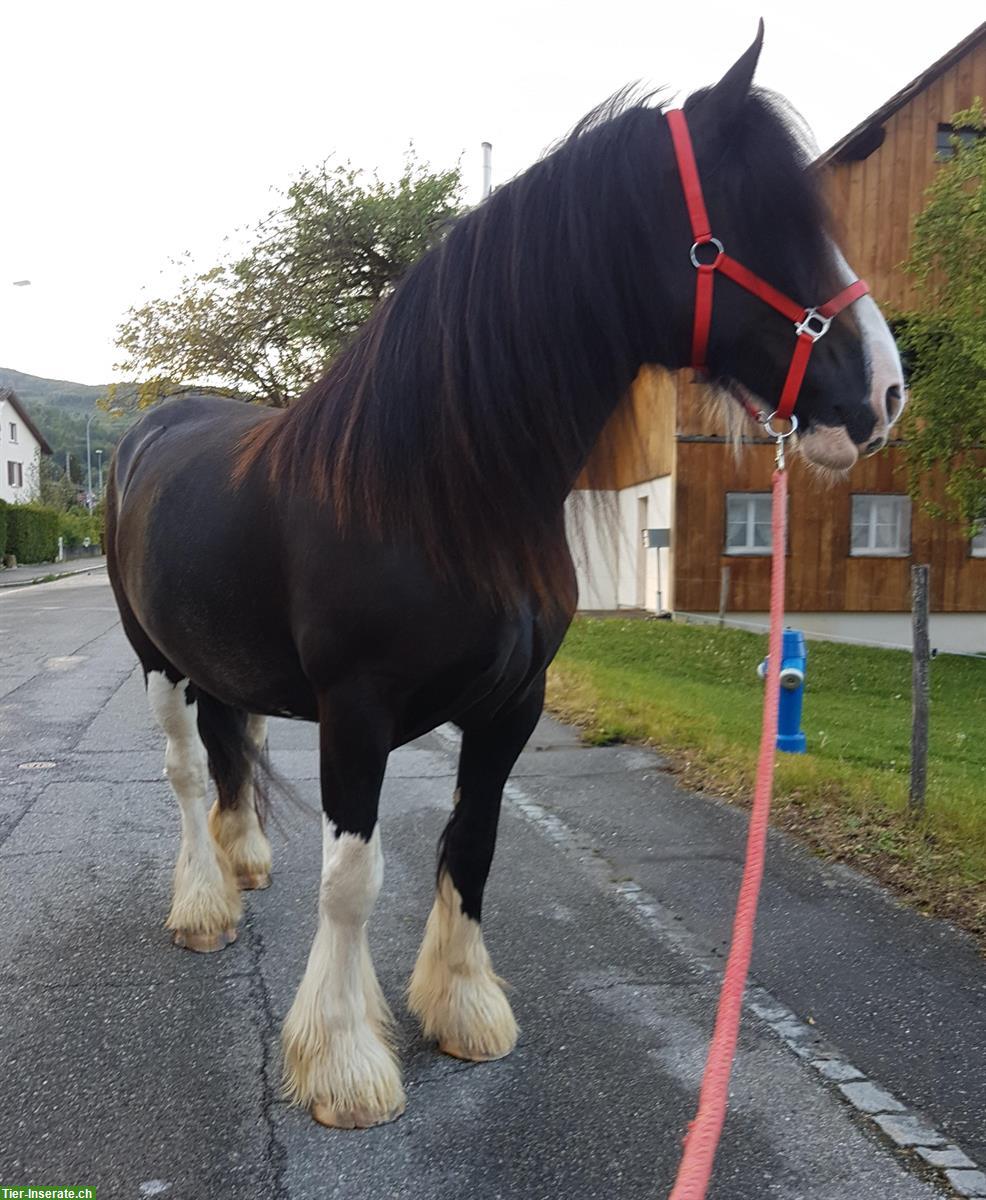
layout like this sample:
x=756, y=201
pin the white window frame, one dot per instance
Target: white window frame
x=12, y=472
x=903, y=547
x=977, y=546
x=749, y=549
x=13, y=433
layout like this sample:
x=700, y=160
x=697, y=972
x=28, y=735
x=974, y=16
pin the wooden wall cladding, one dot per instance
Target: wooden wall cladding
x=875, y=201
x=638, y=443
x=822, y=575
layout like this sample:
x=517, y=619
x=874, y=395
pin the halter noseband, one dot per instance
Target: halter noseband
x=810, y=324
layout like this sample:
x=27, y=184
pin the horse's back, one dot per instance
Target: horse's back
x=185, y=430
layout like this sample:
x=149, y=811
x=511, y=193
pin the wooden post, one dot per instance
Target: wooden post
x=723, y=595
x=919, y=691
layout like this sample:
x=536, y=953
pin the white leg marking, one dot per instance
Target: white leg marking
x=206, y=905
x=239, y=832
x=338, y=1059
x=454, y=991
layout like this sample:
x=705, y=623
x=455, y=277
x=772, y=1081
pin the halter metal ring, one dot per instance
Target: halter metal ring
x=720, y=251
x=813, y=324
x=773, y=432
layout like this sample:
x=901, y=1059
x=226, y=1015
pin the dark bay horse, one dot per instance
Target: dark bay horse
x=390, y=553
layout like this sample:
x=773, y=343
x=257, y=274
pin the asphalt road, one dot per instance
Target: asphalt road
x=146, y=1070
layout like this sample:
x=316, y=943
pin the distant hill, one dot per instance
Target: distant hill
x=60, y=408
x=60, y=393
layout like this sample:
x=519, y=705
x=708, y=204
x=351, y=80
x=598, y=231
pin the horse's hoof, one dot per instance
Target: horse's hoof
x=204, y=943
x=454, y=1050
x=353, y=1118
x=254, y=881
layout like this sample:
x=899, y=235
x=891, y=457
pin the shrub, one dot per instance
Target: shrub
x=78, y=524
x=32, y=533
x=3, y=526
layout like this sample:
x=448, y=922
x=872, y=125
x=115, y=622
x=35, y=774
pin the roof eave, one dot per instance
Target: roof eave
x=897, y=101
x=11, y=397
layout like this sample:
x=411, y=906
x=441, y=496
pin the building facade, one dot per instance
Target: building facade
x=21, y=447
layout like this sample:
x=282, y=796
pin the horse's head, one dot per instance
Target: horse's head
x=765, y=206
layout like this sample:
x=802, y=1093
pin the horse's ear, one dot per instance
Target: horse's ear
x=729, y=93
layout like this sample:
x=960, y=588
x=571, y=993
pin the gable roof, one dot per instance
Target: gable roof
x=15, y=404
x=867, y=136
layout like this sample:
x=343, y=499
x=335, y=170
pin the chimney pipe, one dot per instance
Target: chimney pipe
x=487, y=169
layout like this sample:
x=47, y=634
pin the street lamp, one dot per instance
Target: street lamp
x=89, y=420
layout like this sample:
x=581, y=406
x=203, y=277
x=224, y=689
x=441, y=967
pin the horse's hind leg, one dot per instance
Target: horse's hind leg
x=454, y=991
x=235, y=817
x=338, y=1059
x=206, y=905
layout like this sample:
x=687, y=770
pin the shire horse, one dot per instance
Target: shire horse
x=390, y=553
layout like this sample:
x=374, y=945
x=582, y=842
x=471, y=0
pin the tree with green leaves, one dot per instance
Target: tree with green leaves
x=945, y=339
x=264, y=324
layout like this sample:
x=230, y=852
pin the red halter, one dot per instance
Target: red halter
x=809, y=323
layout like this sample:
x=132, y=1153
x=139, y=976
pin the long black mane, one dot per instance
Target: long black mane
x=460, y=416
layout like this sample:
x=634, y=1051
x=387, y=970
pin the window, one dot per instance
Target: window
x=881, y=525
x=978, y=547
x=748, y=523
x=944, y=150
x=15, y=474
x=13, y=433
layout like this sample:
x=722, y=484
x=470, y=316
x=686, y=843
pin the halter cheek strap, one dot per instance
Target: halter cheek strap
x=708, y=257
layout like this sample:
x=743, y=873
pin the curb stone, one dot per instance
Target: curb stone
x=42, y=578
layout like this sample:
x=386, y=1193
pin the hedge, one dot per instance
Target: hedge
x=78, y=524
x=32, y=533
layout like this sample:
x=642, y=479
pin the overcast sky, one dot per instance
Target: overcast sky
x=133, y=132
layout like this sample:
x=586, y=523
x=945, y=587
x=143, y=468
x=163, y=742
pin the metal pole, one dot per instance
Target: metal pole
x=487, y=169
x=723, y=595
x=99, y=463
x=88, y=465
x=919, y=692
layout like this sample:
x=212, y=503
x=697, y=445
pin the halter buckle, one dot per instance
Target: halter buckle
x=711, y=241
x=814, y=324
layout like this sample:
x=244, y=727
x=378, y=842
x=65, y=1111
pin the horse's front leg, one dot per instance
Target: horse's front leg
x=454, y=991
x=338, y=1057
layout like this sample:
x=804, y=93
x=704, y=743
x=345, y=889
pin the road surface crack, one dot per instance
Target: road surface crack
x=267, y=1027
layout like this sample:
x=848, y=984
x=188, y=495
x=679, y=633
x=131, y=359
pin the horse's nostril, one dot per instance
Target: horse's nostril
x=894, y=402
x=876, y=444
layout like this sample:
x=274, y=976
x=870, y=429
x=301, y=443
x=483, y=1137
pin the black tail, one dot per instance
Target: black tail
x=233, y=756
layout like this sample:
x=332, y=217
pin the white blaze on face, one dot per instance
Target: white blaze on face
x=832, y=447
x=881, y=355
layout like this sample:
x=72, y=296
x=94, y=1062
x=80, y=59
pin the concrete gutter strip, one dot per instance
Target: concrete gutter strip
x=50, y=576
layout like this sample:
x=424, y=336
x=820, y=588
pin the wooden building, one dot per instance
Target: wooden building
x=851, y=545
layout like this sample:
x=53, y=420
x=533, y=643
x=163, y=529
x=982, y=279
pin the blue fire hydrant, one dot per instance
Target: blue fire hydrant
x=794, y=662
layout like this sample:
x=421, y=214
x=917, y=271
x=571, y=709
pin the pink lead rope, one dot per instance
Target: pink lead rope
x=695, y=1169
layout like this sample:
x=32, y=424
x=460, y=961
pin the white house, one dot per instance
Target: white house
x=21, y=447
